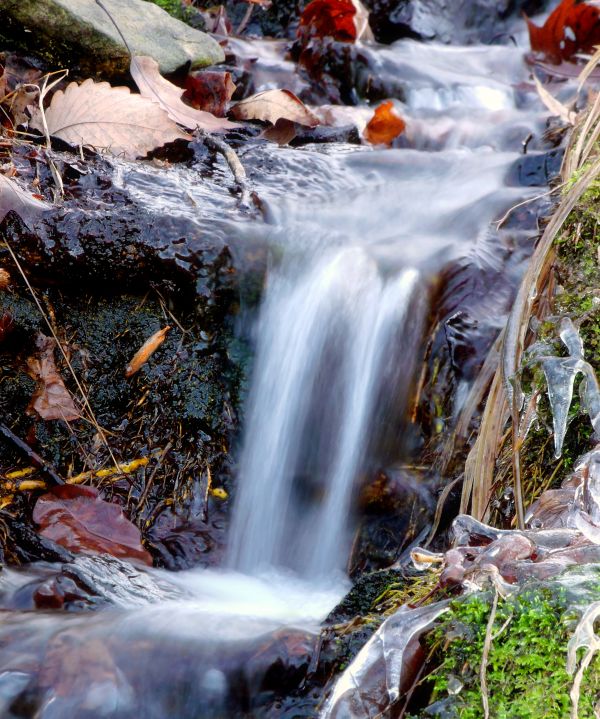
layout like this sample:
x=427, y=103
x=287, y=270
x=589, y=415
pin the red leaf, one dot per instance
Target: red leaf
x=209, y=90
x=385, y=125
x=571, y=28
x=330, y=18
x=78, y=519
x=343, y=20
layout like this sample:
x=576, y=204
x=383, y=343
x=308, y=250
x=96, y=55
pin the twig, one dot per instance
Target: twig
x=508, y=213
x=245, y=20
x=33, y=456
x=236, y=167
x=487, y=645
x=150, y=481
x=118, y=29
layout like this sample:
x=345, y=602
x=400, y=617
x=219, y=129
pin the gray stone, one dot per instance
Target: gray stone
x=79, y=33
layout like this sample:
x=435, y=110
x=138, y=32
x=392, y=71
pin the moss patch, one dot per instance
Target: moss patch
x=526, y=670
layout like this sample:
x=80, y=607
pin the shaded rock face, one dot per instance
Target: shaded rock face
x=449, y=21
x=112, y=269
x=79, y=32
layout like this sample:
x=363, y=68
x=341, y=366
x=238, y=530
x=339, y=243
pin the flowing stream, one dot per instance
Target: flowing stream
x=358, y=241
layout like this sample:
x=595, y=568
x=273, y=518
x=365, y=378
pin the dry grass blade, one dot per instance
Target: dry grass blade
x=589, y=69
x=487, y=645
x=481, y=462
x=555, y=106
x=107, y=118
x=505, y=396
x=574, y=154
x=518, y=321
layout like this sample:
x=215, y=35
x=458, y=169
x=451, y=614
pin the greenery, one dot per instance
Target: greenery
x=526, y=671
x=176, y=8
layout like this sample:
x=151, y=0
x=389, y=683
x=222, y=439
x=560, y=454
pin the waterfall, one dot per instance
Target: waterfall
x=324, y=341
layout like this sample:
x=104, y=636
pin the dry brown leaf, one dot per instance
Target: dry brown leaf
x=209, y=90
x=52, y=399
x=282, y=132
x=108, y=118
x=4, y=279
x=146, y=351
x=273, y=105
x=153, y=86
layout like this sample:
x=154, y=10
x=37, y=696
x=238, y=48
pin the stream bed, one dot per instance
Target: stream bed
x=359, y=257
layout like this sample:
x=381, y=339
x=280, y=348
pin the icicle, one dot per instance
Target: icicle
x=560, y=373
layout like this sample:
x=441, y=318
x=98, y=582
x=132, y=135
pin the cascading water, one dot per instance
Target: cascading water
x=323, y=340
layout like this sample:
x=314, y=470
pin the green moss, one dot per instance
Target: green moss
x=526, y=670
x=176, y=8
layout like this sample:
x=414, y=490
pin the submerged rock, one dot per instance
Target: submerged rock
x=79, y=32
x=465, y=21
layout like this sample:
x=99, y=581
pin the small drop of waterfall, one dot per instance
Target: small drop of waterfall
x=325, y=343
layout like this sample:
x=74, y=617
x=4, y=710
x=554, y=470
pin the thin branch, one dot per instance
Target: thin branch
x=33, y=456
x=236, y=167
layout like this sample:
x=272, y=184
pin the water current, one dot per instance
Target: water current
x=358, y=240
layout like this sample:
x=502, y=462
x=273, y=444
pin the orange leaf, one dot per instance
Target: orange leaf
x=146, y=351
x=78, y=519
x=385, y=125
x=571, y=28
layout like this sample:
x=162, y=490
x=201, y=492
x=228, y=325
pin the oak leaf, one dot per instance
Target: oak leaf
x=108, y=118
x=77, y=518
x=572, y=27
x=273, y=105
x=153, y=86
x=385, y=125
x=52, y=400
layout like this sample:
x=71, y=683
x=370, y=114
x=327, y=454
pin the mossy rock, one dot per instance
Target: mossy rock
x=526, y=668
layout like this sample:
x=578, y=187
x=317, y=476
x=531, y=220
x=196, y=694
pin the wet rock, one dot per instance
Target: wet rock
x=395, y=506
x=89, y=582
x=462, y=21
x=280, y=19
x=79, y=33
x=537, y=170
